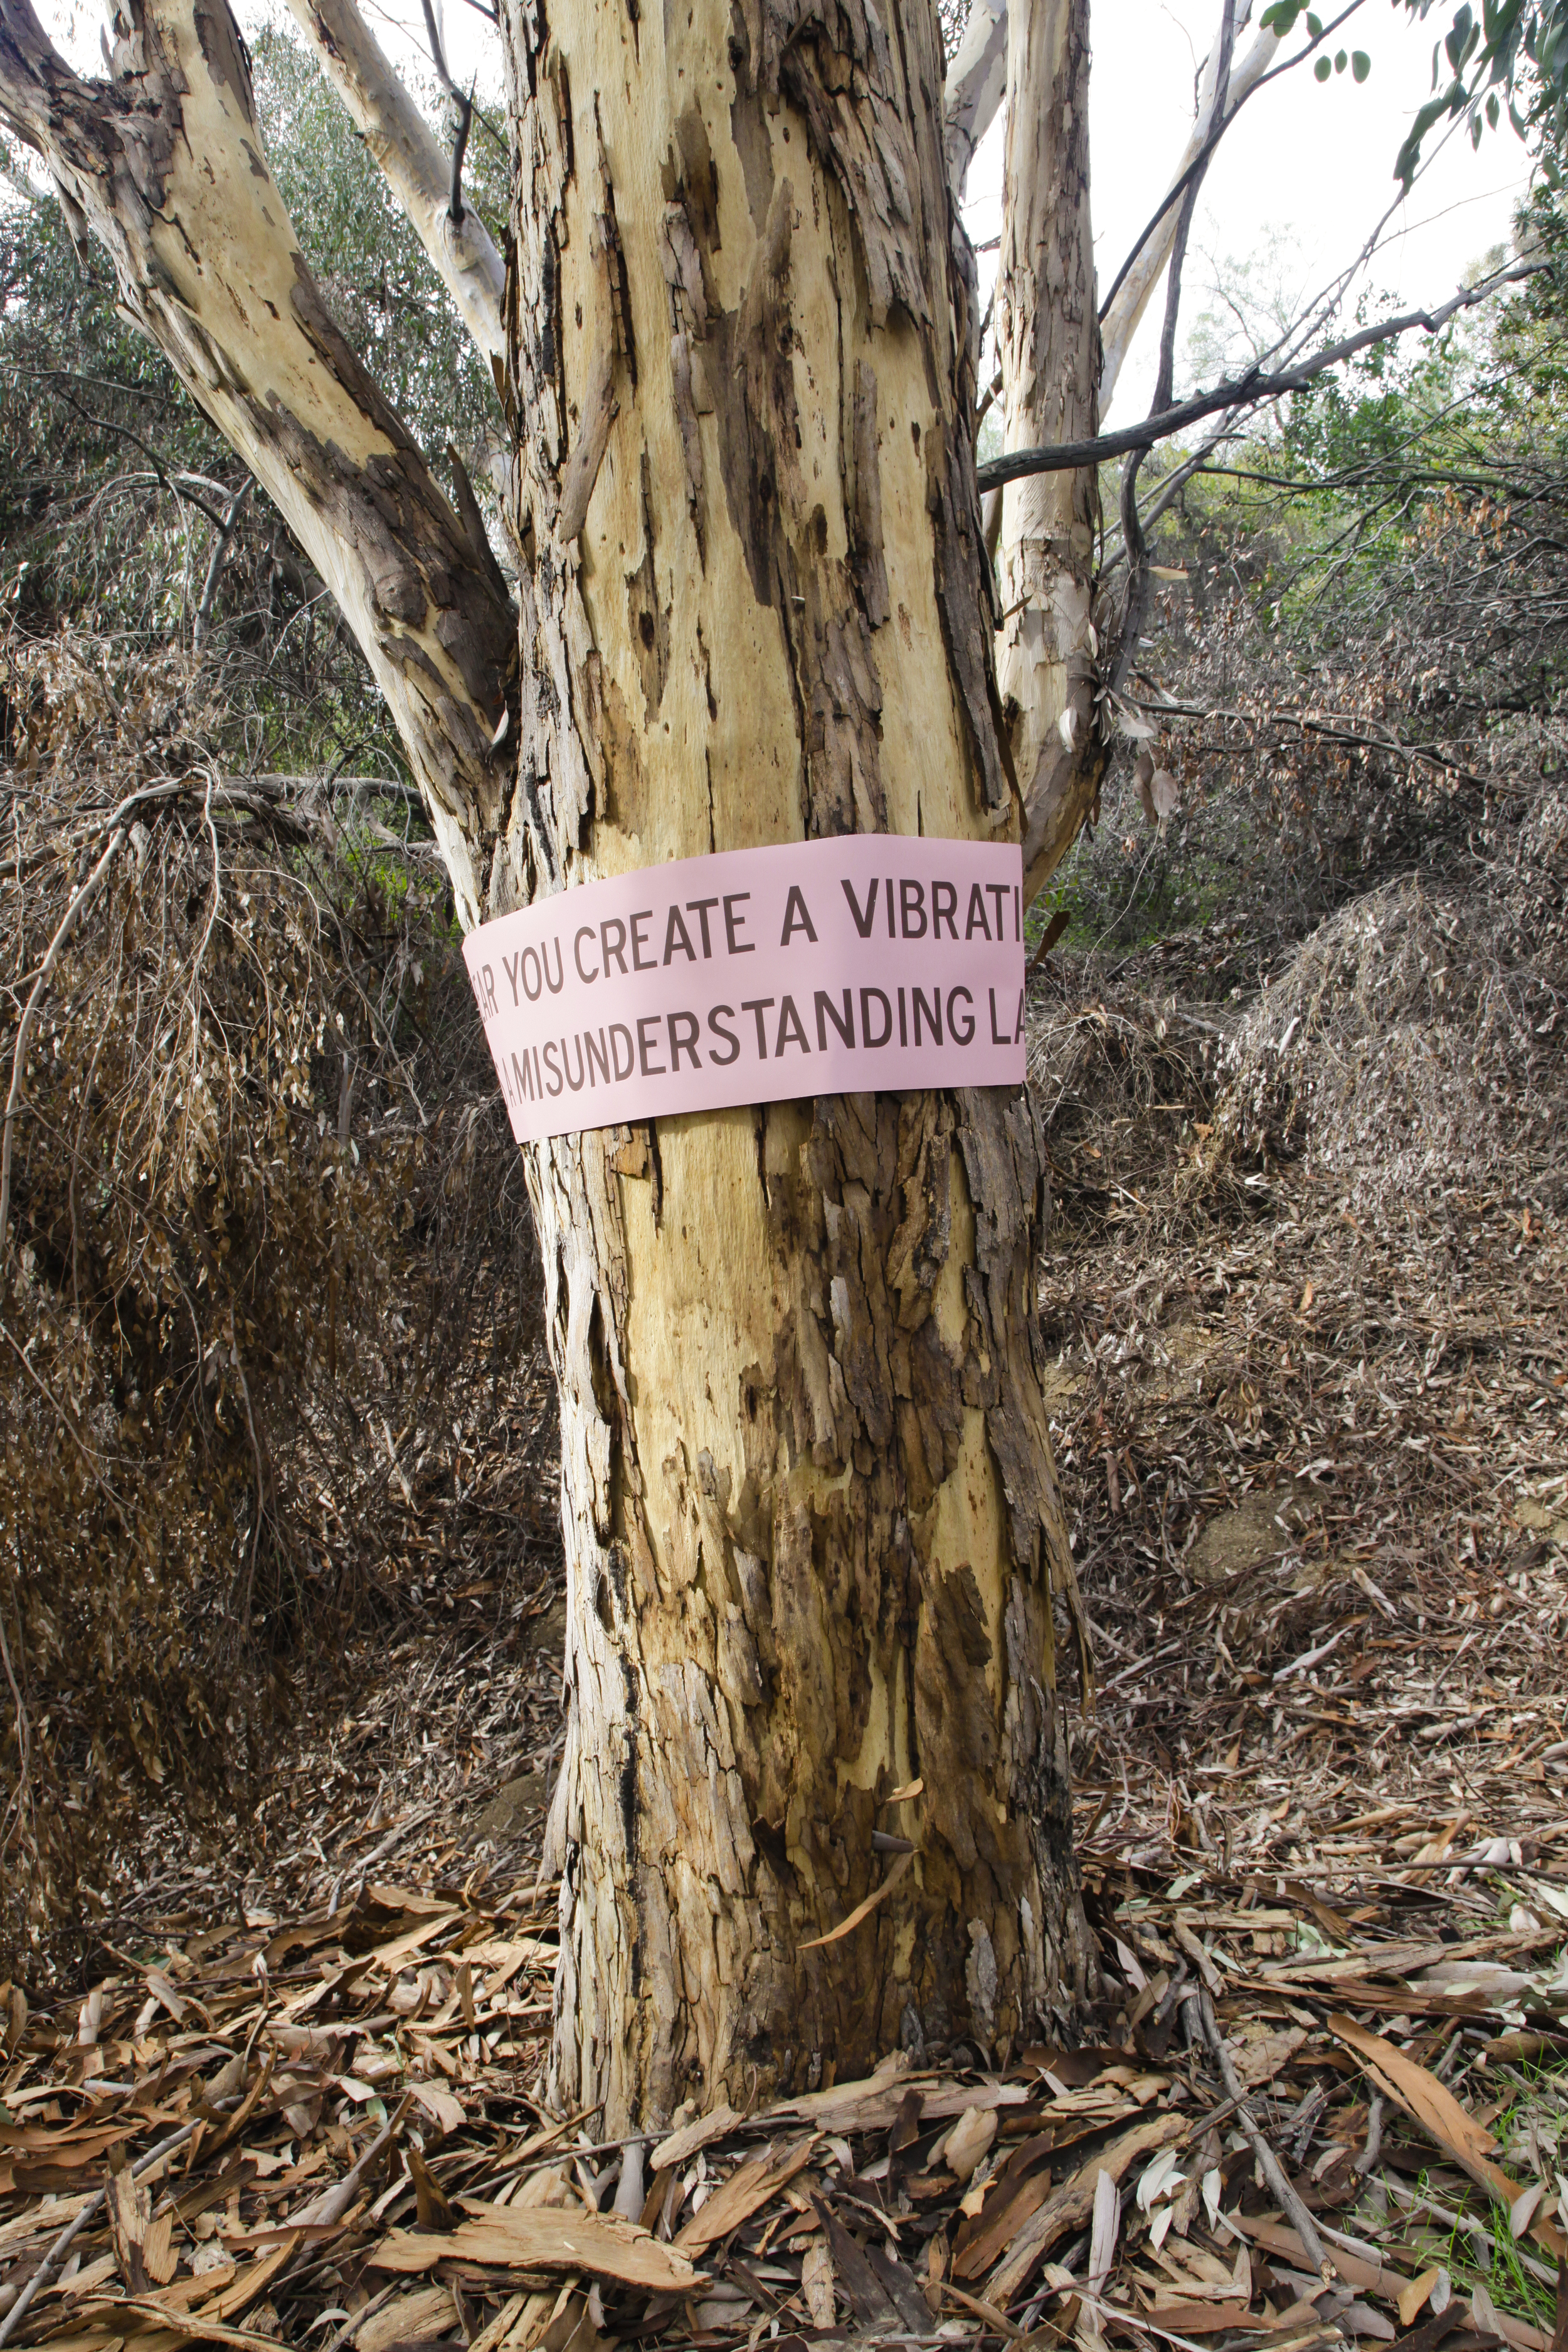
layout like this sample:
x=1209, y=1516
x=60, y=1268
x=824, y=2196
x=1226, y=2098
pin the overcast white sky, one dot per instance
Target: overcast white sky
x=1307, y=167
x=1313, y=160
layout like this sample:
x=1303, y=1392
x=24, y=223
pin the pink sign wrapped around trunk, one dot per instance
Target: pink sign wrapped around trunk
x=864, y=963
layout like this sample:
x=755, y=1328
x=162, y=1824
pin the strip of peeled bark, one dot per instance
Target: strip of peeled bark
x=811, y=1519
x=403, y=144
x=164, y=166
x=1050, y=348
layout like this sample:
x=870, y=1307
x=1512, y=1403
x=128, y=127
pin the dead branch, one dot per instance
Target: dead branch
x=1248, y=391
x=68, y=923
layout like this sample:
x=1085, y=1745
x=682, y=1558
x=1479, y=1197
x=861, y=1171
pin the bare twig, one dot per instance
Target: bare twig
x=1135, y=600
x=1367, y=2160
x=68, y=922
x=16, y=1808
x=1200, y=161
x=1300, y=2220
x=221, y=545
x=73, y=2230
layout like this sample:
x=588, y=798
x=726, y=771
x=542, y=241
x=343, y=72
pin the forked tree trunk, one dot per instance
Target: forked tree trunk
x=811, y=1524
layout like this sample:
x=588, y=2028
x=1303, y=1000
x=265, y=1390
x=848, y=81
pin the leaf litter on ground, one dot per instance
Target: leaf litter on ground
x=1322, y=1826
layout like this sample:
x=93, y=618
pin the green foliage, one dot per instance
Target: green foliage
x=1513, y=55
x=1512, y=58
x=1283, y=17
x=112, y=482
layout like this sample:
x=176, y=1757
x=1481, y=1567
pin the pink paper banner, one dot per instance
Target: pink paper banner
x=865, y=963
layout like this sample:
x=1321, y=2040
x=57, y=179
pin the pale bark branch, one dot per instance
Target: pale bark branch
x=1123, y=307
x=163, y=165
x=1248, y=391
x=426, y=183
x=1135, y=602
x=976, y=84
x=1047, y=342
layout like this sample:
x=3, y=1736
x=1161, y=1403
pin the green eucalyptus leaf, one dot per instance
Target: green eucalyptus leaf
x=1360, y=64
x=1322, y=69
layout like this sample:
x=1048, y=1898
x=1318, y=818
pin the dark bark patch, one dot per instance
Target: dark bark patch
x=870, y=568
x=963, y=600
x=748, y=120
x=648, y=620
x=227, y=58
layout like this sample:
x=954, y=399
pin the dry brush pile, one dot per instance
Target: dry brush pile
x=1311, y=1382
x=270, y=1294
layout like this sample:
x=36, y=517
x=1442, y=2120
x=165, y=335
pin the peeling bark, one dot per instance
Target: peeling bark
x=812, y=1526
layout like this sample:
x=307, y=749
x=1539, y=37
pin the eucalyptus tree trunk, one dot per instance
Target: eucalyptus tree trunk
x=811, y=1524
x=1049, y=343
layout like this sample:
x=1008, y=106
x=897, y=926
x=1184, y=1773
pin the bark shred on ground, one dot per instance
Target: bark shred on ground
x=1315, y=1442
x=1316, y=2101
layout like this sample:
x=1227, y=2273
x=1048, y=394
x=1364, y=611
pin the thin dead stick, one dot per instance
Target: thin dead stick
x=18, y=1804
x=334, y=2202
x=226, y=531
x=68, y=922
x=1273, y=2172
x=73, y=2230
x=981, y=2309
x=1367, y=2161
x=351, y=2328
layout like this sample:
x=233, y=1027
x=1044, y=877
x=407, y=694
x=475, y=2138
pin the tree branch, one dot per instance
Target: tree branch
x=1136, y=600
x=220, y=550
x=417, y=168
x=173, y=483
x=1134, y=282
x=465, y=109
x=1247, y=390
x=976, y=84
x=1049, y=348
x=1327, y=727
x=163, y=167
